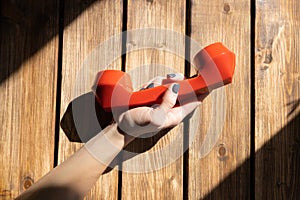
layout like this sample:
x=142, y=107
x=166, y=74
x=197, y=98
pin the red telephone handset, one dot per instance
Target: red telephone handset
x=215, y=65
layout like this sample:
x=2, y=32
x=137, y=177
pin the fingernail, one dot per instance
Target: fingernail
x=142, y=89
x=171, y=75
x=151, y=85
x=175, y=88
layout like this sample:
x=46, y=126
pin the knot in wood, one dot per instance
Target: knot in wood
x=226, y=8
x=27, y=182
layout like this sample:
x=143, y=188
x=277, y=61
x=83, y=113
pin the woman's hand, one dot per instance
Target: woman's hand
x=144, y=120
x=81, y=171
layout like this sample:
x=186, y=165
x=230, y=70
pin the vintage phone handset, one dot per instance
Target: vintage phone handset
x=215, y=65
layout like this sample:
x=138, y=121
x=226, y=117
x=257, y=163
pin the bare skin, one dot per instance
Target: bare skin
x=79, y=173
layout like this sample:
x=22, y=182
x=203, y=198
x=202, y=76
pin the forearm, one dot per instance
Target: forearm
x=80, y=172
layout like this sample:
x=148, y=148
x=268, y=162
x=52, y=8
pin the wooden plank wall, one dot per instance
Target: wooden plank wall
x=262, y=104
x=228, y=23
x=277, y=90
x=98, y=21
x=165, y=183
x=28, y=60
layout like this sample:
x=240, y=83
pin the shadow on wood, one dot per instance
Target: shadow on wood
x=279, y=162
x=84, y=118
x=26, y=26
x=50, y=193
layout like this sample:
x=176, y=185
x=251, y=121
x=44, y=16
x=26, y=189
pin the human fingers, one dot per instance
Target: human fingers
x=177, y=114
x=175, y=76
x=156, y=81
x=159, y=114
x=159, y=80
x=154, y=117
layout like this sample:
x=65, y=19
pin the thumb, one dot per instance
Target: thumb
x=169, y=98
x=160, y=114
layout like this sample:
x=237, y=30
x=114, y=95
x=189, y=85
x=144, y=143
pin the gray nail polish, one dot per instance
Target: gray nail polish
x=142, y=89
x=175, y=88
x=171, y=75
x=151, y=85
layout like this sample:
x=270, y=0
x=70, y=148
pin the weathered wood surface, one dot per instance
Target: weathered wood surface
x=216, y=173
x=28, y=76
x=28, y=57
x=99, y=21
x=277, y=92
x=165, y=183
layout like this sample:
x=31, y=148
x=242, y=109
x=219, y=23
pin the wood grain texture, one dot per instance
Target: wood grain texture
x=277, y=100
x=165, y=183
x=217, y=164
x=28, y=54
x=98, y=22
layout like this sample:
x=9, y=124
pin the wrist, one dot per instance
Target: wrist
x=115, y=136
x=127, y=138
x=106, y=145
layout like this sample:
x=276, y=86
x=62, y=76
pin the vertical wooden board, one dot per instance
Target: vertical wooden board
x=167, y=182
x=28, y=54
x=277, y=97
x=218, y=165
x=94, y=24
